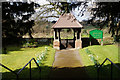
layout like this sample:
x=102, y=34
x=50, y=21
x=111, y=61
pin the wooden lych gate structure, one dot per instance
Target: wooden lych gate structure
x=67, y=21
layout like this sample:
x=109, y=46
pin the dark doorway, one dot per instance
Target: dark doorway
x=67, y=43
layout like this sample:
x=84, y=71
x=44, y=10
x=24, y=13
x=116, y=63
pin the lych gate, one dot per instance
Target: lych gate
x=67, y=21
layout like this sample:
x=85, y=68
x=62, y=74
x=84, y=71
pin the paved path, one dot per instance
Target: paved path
x=68, y=66
x=67, y=58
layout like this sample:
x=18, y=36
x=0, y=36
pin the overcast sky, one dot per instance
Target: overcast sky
x=75, y=12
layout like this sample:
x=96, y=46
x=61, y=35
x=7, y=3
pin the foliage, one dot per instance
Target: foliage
x=103, y=13
x=84, y=31
x=42, y=56
x=108, y=14
x=91, y=55
x=108, y=41
x=30, y=43
x=16, y=19
x=55, y=9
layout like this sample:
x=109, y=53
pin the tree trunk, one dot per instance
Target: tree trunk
x=30, y=34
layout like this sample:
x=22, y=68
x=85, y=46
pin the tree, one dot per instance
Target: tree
x=55, y=9
x=16, y=19
x=104, y=13
x=108, y=14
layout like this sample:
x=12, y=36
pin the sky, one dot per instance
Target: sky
x=75, y=12
x=86, y=15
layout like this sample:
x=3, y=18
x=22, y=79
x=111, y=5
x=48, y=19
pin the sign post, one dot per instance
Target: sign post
x=96, y=34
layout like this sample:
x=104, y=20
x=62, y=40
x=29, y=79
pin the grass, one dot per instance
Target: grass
x=17, y=57
x=100, y=54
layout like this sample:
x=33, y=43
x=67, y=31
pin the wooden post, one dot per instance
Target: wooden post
x=74, y=37
x=56, y=42
x=78, y=34
x=101, y=42
x=54, y=34
x=59, y=34
x=80, y=38
x=59, y=38
x=90, y=42
x=74, y=33
x=78, y=42
x=90, y=39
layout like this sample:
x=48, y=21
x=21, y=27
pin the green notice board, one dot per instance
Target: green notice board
x=96, y=34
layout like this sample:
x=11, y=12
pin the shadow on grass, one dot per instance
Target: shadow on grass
x=78, y=73
x=68, y=43
x=6, y=49
x=16, y=44
x=25, y=74
x=86, y=42
x=105, y=72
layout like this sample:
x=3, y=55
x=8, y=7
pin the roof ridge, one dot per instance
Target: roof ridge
x=67, y=22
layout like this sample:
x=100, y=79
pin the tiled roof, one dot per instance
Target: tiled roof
x=67, y=20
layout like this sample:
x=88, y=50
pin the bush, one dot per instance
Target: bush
x=41, y=56
x=92, y=58
x=85, y=31
x=30, y=43
x=108, y=40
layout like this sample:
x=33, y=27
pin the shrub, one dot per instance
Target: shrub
x=85, y=31
x=108, y=40
x=92, y=58
x=30, y=43
x=41, y=56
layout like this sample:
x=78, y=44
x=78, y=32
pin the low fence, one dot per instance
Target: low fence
x=17, y=74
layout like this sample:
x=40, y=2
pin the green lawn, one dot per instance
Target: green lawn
x=100, y=54
x=17, y=57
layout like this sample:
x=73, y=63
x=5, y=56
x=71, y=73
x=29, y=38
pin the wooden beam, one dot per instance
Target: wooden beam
x=54, y=35
x=59, y=34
